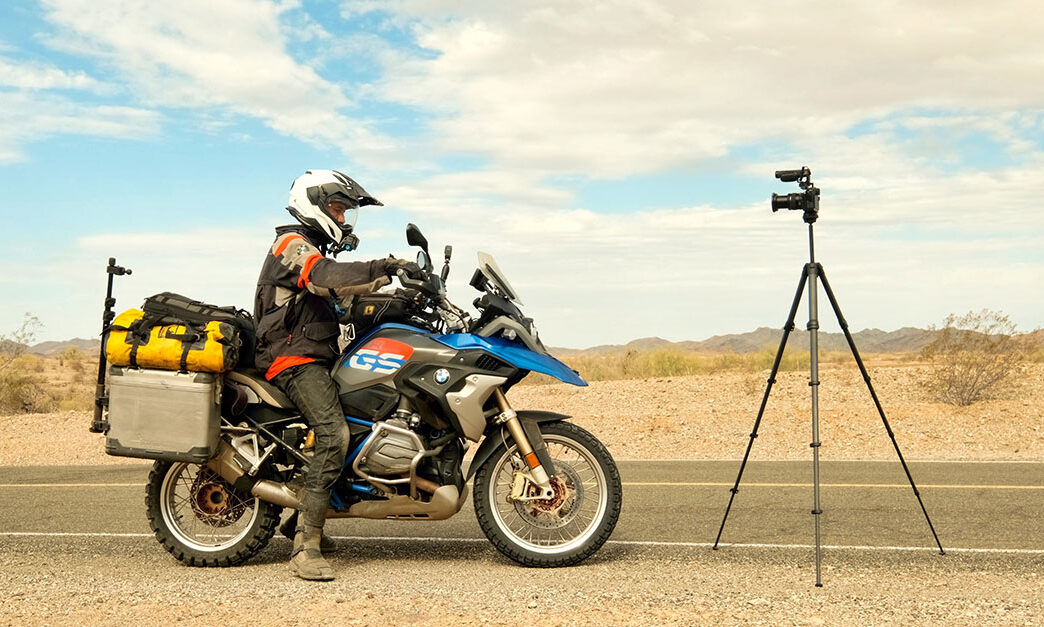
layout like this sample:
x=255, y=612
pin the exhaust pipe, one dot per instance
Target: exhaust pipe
x=224, y=464
x=277, y=493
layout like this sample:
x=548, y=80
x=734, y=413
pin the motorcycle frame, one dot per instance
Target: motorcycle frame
x=509, y=428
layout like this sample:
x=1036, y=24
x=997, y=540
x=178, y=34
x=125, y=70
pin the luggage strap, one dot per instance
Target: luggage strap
x=140, y=331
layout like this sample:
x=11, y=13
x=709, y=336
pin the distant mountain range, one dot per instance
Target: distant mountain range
x=50, y=349
x=867, y=341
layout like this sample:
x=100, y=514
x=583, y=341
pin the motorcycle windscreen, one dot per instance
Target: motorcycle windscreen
x=489, y=268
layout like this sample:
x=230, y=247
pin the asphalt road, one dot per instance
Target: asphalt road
x=977, y=508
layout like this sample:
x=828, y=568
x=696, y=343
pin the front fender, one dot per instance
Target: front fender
x=495, y=436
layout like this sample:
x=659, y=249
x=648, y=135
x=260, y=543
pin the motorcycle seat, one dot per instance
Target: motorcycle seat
x=268, y=393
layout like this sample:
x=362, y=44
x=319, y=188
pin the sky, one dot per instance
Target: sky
x=615, y=157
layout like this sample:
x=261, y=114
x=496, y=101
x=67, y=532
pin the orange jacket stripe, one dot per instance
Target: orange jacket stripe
x=286, y=361
x=311, y=261
x=286, y=242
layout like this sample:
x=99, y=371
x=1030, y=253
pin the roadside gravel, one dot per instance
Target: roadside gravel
x=128, y=581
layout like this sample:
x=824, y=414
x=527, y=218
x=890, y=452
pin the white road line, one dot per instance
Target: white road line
x=73, y=534
x=639, y=543
x=736, y=460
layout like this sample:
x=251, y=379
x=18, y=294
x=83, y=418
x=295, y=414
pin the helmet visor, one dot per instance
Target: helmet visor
x=343, y=213
x=350, y=216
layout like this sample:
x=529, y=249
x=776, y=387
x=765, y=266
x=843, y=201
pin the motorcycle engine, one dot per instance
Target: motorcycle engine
x=389, y=449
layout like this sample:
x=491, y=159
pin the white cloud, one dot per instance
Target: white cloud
x=901, y=254
x=40, y=76
x=231, y=54
x=610, y=90
x=622, y=87
x=31, y=109
x=27, y=116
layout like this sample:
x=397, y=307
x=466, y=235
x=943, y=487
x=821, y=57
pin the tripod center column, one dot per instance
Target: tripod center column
x=813, y=382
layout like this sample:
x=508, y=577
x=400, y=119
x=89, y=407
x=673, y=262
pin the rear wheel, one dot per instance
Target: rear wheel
x=202, y=520
x=558, y=531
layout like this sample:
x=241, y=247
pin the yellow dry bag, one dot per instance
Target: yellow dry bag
x=139, y=342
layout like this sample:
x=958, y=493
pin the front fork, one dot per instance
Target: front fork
x=536, y=475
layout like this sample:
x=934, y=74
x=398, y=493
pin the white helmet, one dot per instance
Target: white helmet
x=312, y=191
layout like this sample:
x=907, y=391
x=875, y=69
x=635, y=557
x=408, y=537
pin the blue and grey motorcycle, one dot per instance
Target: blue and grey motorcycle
x=420, y=380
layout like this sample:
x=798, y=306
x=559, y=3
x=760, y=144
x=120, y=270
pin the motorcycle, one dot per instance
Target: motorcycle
x=418, y=387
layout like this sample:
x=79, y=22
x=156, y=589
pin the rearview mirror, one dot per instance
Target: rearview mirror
x=414, y=237
x=423, y=261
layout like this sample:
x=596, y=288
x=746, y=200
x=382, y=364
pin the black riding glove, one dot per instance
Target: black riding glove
x=393, y=265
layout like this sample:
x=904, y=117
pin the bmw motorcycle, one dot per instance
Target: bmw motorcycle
x=420, y=382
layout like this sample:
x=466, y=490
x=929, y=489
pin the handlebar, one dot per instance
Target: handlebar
x=420, y=285
x=433, y=287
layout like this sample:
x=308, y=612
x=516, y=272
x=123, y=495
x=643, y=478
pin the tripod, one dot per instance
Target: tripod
x=810, y=275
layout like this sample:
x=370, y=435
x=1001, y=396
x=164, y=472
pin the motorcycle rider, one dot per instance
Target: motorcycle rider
x=297, y=332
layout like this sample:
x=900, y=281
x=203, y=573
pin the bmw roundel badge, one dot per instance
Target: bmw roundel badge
x=441, y=376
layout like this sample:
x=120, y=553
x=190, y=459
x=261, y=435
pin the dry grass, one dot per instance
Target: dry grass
x=34, y=384
x=680, y=363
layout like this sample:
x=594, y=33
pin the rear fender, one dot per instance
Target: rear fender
x=530, y=420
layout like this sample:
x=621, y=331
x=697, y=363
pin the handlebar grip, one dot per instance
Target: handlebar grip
x=408, y=282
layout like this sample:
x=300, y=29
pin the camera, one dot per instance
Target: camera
x=806, y=201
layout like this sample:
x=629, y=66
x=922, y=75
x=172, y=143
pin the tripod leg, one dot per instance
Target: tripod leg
x=866, y=377
x=787, y=328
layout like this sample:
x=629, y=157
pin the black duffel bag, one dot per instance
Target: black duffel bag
x=171, y=308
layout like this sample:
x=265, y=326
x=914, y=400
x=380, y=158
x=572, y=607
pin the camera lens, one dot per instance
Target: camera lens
x=787, y=201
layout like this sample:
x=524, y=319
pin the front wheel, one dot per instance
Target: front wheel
x=558, y=531
x=203, y=520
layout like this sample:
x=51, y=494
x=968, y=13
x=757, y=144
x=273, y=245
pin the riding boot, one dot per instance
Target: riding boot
x=306, y=560
x=289, y=529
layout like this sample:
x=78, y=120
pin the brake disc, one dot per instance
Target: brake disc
x=214, y=501
x=558, y=510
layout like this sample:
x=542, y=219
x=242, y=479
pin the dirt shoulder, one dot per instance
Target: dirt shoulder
x=705, y=417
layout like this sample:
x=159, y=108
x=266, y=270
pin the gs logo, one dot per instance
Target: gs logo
x=381, y=356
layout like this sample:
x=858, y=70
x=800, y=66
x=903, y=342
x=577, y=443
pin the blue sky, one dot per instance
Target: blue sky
x=615, y=157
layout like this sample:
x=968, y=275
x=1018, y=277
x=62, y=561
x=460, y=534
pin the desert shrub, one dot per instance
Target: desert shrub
x=76, y=402
x=29, y=363
x=972, y=354
x=13, y=345
x=22, y=392
x=1035, y=348
x=72, y=357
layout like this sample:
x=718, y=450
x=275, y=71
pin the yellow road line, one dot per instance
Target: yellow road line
x=679, y=484
x=71, y=485
x=836, y=485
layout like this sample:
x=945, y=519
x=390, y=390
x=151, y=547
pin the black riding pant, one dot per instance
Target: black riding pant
x=310, y=387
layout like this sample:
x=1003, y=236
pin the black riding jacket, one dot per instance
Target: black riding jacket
x=296, y=291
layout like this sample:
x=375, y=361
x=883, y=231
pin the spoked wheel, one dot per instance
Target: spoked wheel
x=561, y=530
x=204, y=521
